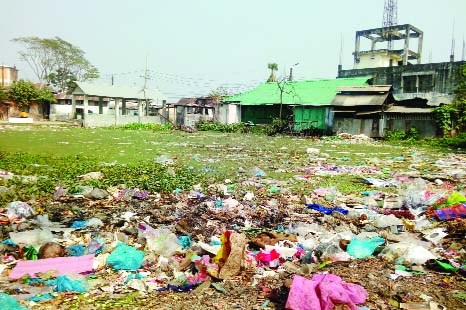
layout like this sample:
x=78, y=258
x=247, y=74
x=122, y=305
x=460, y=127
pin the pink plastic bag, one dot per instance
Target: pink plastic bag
x=324, y=292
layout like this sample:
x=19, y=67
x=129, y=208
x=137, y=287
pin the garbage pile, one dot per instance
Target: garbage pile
x=324, y=250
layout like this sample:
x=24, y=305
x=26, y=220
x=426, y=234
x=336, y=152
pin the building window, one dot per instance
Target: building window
x=409, y=84
x=425, y=83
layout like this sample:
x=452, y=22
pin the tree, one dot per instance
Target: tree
x=219, y=93
x=460, y=100
x=3, y=94
x=273, y=67
x=285, y=87
x=56, y=62
x=25, y=92
x=452, y=117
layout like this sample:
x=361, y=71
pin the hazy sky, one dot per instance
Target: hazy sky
x=196, y=46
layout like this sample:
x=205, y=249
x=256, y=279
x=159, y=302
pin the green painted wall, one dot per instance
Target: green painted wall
x=263, y=114
x=305, y=116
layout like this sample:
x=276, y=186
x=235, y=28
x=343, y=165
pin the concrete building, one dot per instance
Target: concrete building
x=104, y=105
x=8, y=75
x=389, y=56
x=434, y=82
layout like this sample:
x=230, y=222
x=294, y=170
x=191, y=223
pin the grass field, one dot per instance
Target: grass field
x=59, y=152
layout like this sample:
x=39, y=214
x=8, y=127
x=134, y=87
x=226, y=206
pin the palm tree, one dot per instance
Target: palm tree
x=273, y=67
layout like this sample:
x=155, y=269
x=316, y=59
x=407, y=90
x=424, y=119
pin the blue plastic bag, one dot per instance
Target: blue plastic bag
x=76, y=250
x=185, y=242
x=363, y=248
x=125, y=257
x=10, y=303
x=65, y=284
x=40, y=297
x=79, y=224
x=321, y=208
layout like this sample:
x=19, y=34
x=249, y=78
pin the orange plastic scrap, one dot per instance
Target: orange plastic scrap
x=225, y=249
x=4, y=220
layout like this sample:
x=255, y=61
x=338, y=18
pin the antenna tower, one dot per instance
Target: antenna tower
x=390, y=18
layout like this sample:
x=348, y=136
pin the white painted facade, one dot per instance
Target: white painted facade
x=229, y=113
x=376, y=59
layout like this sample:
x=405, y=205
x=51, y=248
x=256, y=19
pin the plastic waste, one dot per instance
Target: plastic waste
x=257, y=172
x=164, y=160
x=30, y=253
x=32, y=237
x=324, y=291
x=435, y=235
x=19, y=209
x=79, y=224
x=364, y=248
x=10, y=303
x=321, y=208
x=418, y=255
x=95, y=222
x=331, y=251
x=161, y=240
x=41, y=297
x=311, y=150
x=383, y=221
x=407, y=251
x=95, y=175
x=125, y=257
x=249, y=196
x=282, y=250
x=65, y=284
x=76, y=250
x=185, y=242
x=455, y=198
x=451, y=212
x=43, y=220
x=96, y=246
x=268, y=257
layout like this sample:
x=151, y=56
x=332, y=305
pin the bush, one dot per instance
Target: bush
x=399, y=135
x=147, y=126
x=229, y=128
x=277, y=126
x=453, y=142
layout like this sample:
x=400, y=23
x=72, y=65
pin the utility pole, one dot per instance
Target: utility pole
x=462, y=54
x=112, y=79
x=145, y=88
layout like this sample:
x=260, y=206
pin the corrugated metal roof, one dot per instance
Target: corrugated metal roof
x=312, y=92
x=359, y=100
x=113, y=91
x=65, y=96
x=401, y=109
x=372, y=88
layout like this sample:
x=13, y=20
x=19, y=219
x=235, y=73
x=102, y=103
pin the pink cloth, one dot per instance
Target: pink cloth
x=324, y=292
x=74, y=264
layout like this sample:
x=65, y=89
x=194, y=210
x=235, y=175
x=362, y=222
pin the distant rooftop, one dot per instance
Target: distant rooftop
x=113, y=91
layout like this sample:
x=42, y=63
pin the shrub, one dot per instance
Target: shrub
x=399, y=135
x=147, y=126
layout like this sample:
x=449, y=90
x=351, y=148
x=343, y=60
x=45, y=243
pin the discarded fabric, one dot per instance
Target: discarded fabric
x=62, y=265
x=324, y=292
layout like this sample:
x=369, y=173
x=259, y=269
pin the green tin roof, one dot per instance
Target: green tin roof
x=312, y=92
